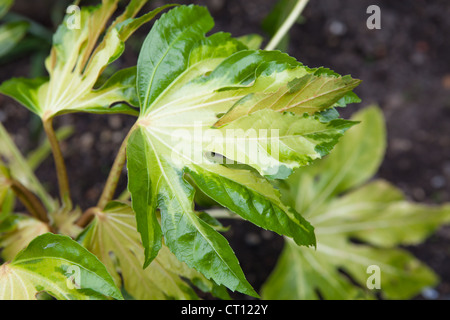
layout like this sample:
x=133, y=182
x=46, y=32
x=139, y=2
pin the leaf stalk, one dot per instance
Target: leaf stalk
x=115, y=173
x=287, y=24
x=29, y=200
x=61, y=171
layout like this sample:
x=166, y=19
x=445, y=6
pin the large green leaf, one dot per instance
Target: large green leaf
x=59, y=266
x=187, y=83
x=76, y=62
x=376, y=214
x=113, y=238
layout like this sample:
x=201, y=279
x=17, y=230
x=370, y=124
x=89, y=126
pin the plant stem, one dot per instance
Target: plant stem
x=87, y=216
x=61, y=171
x=30, y=201
x=110, y=185
x=287, y=24
x=114, y=174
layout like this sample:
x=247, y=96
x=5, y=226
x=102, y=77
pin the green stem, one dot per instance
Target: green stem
x=114, y=174
x=287, y=24
x=61, y=171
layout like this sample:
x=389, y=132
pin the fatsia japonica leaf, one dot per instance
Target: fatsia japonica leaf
x=17, y=231
x=336, y=198
x=77, y=60
x=113, y=238
x=193, y=91
x=58, y=266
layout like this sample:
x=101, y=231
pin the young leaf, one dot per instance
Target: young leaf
x=59, y=266
x=113, y=238
x=330, y=195
x=186, y=82
x=77, y=61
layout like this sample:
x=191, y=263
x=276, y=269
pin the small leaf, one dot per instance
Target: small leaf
x=59, y=266
x=76, y=62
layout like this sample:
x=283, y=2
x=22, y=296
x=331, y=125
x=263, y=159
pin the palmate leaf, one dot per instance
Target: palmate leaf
x=113, y=238
x=77, y=60
x=330, y=195
x=190, y=87
x=59, y=266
